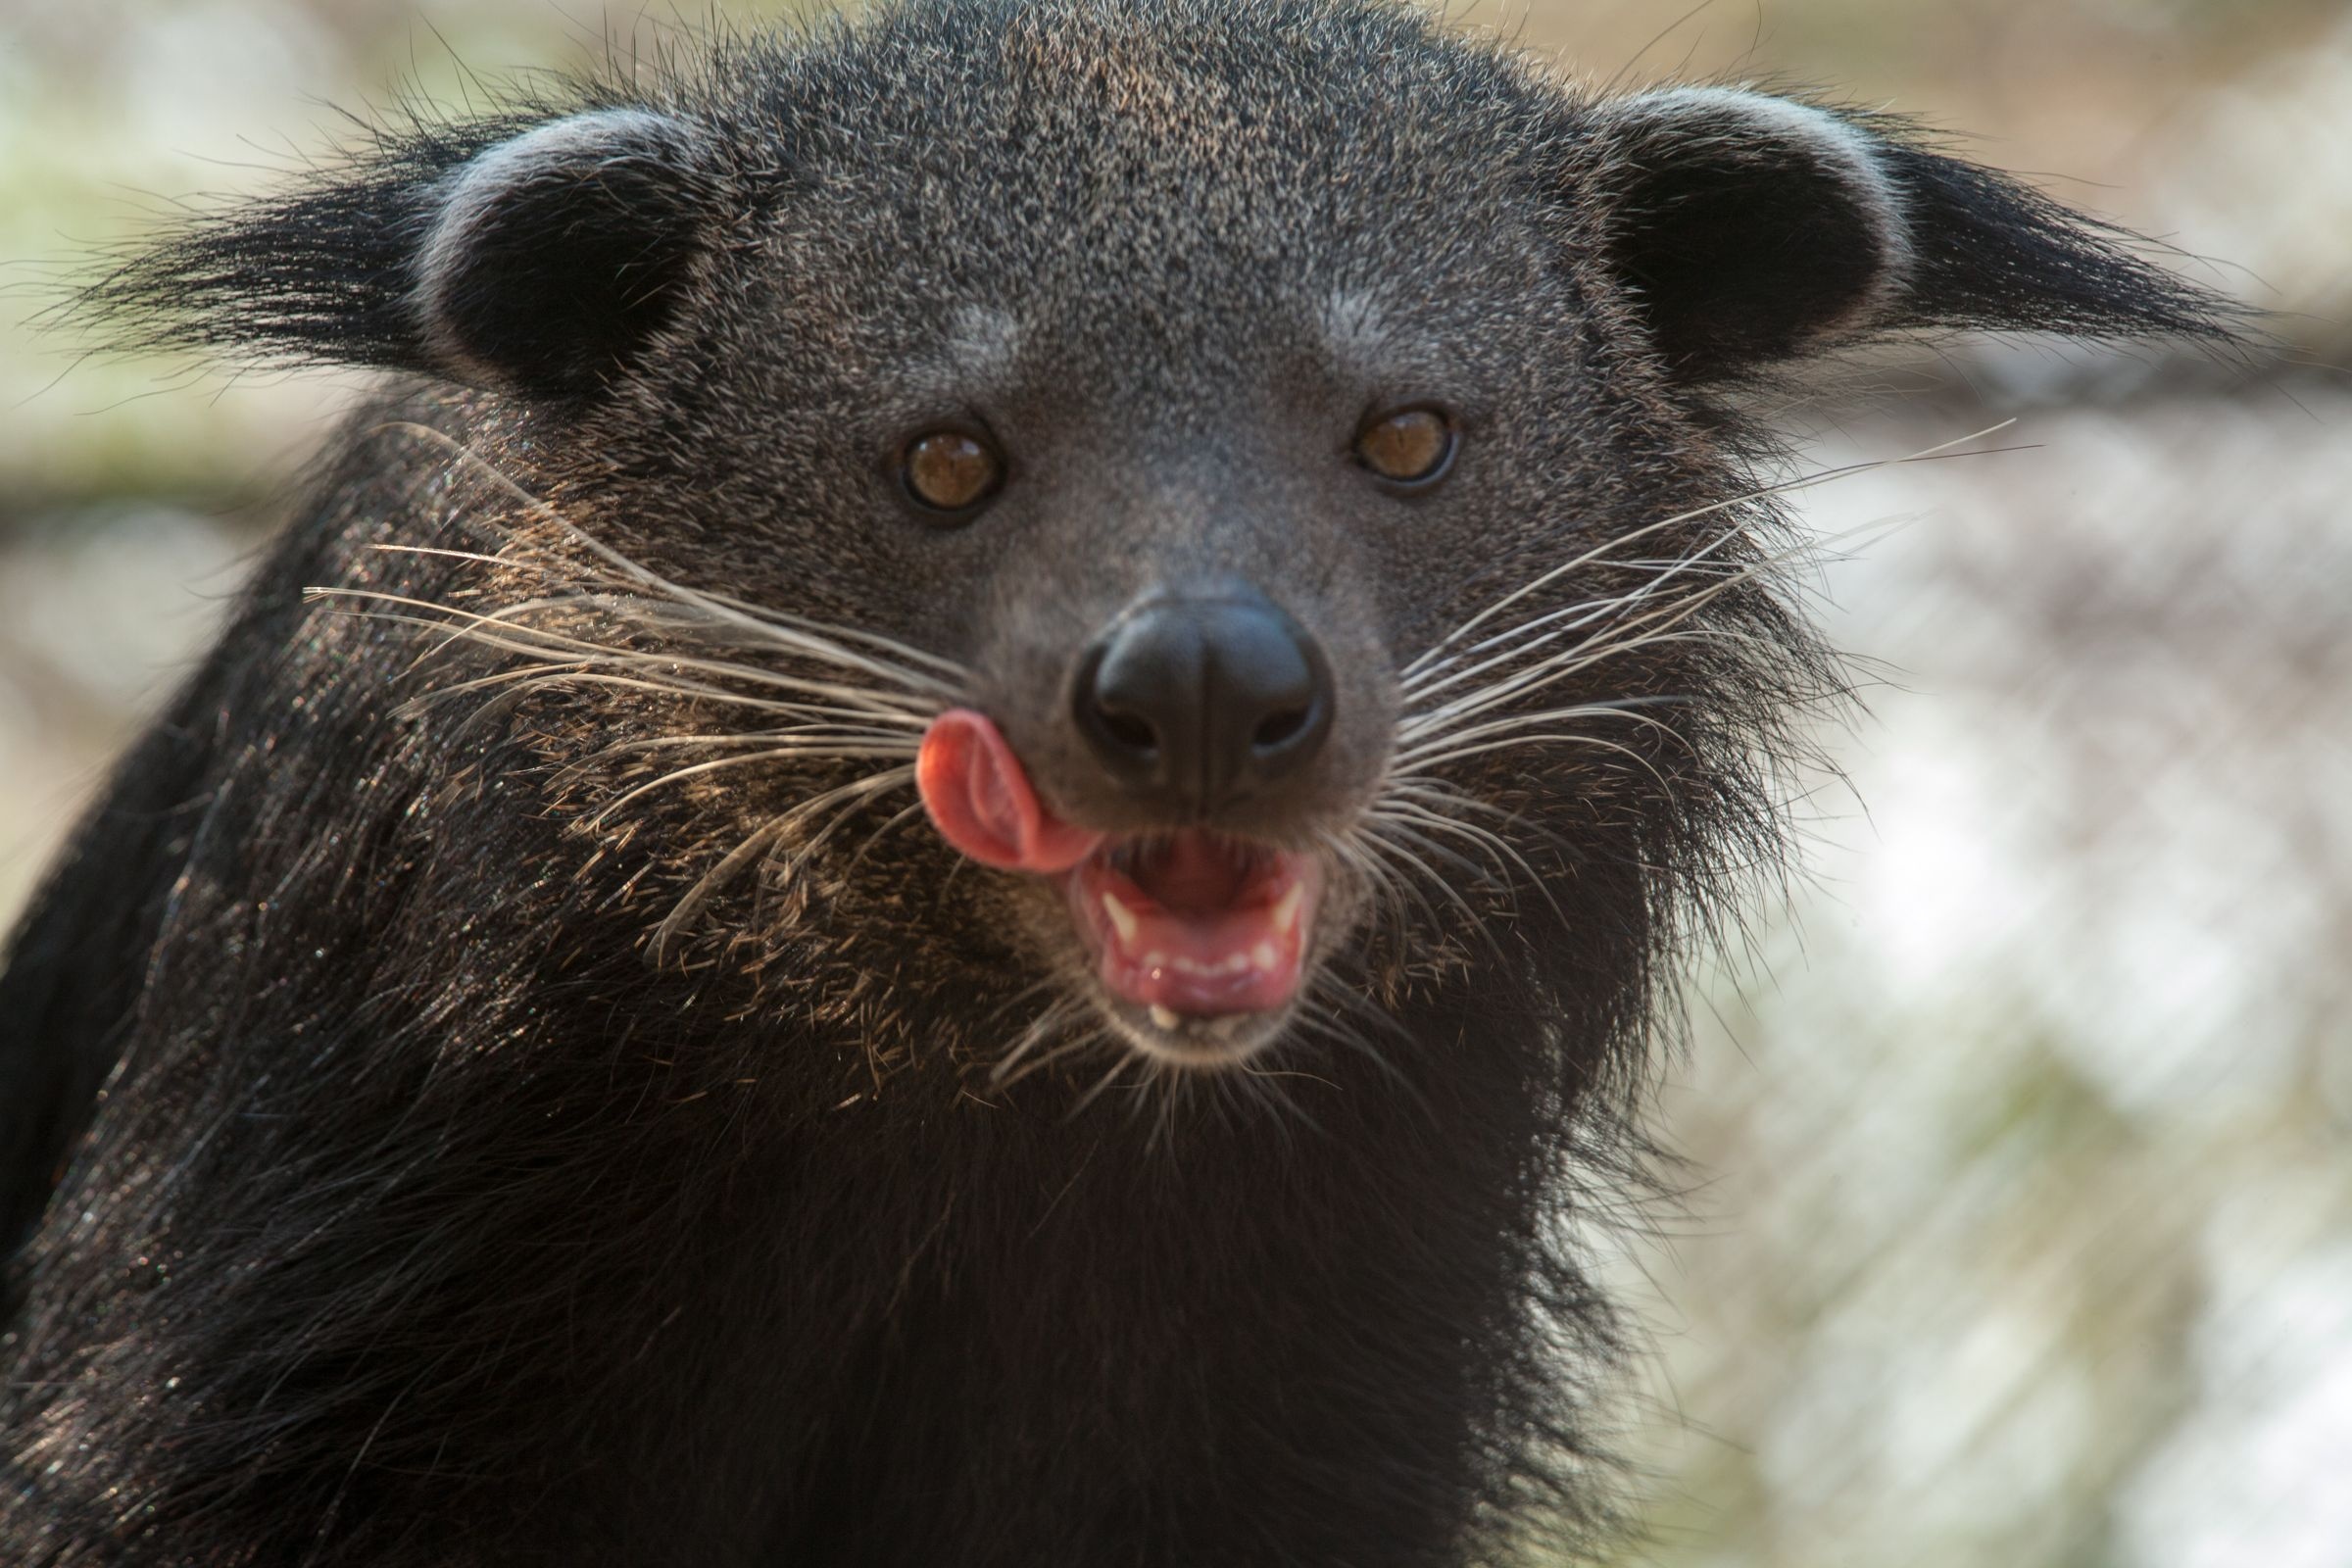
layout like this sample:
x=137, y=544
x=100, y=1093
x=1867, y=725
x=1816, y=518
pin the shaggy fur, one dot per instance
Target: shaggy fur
x=505, y=1077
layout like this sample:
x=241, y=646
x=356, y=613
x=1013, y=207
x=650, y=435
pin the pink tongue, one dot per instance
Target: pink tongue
x=980, y=800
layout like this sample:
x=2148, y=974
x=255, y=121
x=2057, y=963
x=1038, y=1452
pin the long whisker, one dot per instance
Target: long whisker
x=603, y=813
x=908, y=651
x=579, y=674
x=537, y=642
x=1551, y=674
x=957, y=673
x=905, y=744
x=1516, y=641
x=1053, y=1020
x=1394, y=892
x=1784, y=487
x=1101, y=1084
x=1503, y=853
x=1563, y=738
x=1264, y=1087
x=1612, y=642
x=781, y=628
x=1071, y=1045
x=1387, y=833
x=853, y=795
x=769, y=620
x=879, y=834
x=1439, y=796
x=1625, y=708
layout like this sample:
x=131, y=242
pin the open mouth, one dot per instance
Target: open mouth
x=1194, y=932
x=1191, y=924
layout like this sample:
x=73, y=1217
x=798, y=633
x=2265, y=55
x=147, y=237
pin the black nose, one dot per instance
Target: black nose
x=1195, y=702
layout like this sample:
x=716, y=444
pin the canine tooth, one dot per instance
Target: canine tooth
x=1286, y=910
x=1264, y=955
x=1122, y=918
x=1165, y=1017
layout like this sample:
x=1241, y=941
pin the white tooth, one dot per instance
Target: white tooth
x=1122, y=918
x=1184, y=966
x=1286, y=911
x=1165, y=1017
x=1239, y=963
x=1264, y=955
x=1156, y=960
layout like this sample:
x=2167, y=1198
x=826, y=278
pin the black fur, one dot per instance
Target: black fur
x=479, y=1179
x=1746, y=248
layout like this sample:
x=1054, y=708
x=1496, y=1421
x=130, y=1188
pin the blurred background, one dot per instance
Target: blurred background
x=2018, y=1220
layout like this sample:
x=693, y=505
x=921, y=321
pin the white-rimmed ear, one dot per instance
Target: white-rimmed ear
x=1752, y=229
x=555, y=253
x=535, y=258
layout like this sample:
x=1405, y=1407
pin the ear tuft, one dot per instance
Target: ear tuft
x=533, y=256
x=1752, y=229
x=1991, y=253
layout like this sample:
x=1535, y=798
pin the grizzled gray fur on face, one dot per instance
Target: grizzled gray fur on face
x=944, y=836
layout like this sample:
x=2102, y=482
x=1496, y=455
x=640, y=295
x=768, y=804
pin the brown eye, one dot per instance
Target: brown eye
x=951, y=470
x=1412, y=446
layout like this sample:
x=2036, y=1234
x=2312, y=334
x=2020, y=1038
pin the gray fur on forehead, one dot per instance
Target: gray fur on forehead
x=1159, y=145
x=1279, y=87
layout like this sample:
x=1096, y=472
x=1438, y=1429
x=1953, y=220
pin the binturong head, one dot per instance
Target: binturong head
x=1270, y=477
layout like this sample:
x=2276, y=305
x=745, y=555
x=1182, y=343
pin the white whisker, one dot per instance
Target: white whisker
x=1387, y=832
x=604, y=812
x=578, y=673
x=904, y=744
x=1413, y=670
x=797, y=634
x=1562, y=737
x=1612, y=642
x=1504, y=853
x=1101, y=1084
x=1056, y=1017
x=537, y=642
x=1516, y=643
x=1416, y=758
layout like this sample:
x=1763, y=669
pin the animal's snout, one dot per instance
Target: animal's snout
x=1192, y=702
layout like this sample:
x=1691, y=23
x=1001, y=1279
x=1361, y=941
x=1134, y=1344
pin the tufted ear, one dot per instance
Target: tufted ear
x=534, y=258
x=1755, y=229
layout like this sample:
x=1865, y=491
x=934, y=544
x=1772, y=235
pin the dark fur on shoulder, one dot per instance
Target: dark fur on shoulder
x=561, y=1102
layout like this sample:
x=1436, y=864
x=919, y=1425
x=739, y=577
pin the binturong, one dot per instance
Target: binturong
x=962, y=822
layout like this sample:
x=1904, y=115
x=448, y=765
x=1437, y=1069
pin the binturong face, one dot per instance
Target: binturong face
x=1267, y=479
x=1228, y=401
x=1186, y=420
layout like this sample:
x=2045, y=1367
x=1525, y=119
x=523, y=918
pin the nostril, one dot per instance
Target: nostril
x=1115, y=702
x=1279, y=729
x=1135, y=734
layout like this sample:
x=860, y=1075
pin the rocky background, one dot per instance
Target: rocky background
x=2018, y=1215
